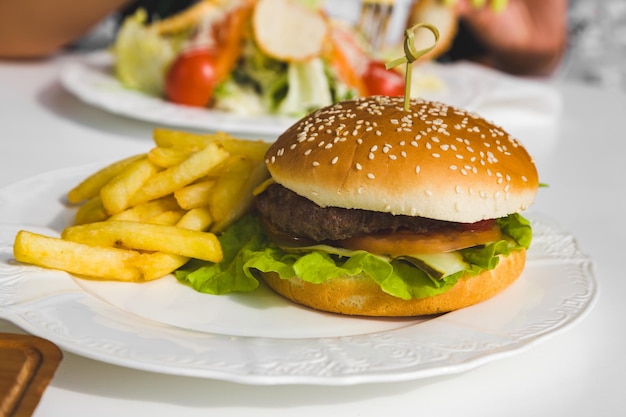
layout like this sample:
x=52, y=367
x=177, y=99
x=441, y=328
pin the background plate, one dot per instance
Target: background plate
x=93, y=82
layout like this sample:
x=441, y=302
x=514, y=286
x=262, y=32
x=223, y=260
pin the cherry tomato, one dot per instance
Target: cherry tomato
x=192, y=78
x=382, y=81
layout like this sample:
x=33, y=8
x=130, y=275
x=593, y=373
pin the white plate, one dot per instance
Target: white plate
x=259, y=338
x=92, y=81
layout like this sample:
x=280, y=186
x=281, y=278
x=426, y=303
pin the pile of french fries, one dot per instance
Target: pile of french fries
x=143, y=217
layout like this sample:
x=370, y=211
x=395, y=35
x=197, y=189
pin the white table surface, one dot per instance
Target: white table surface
x=579, y=372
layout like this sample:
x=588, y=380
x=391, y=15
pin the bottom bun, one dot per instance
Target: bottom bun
x=361, y=296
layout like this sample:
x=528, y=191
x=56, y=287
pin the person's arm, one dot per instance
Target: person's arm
x=528, y=37
x=37, y=28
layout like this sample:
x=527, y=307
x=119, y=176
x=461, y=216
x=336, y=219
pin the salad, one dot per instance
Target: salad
x=250, y=57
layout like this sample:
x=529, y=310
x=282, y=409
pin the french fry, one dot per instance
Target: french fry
x=91, y=211
x=158, y=264
x=146, y=211
x=168, y=218
x=255, y=150
x=91, y=186
x=174, y=141
x=238, y=204
x=196, y=219
x=77, y=258
x=145, y=216
x=167, y=157
x=116, y=194
x=167, y=138
x=228, y=187
x=148, y=237
x=194, y=195
x=169, y=180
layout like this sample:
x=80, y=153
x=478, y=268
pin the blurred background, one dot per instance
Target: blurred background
x=597, y=28
x=597, y=52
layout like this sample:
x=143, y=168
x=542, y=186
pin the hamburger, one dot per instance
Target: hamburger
x=374, y=210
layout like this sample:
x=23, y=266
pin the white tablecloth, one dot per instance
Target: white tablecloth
x=575, y=373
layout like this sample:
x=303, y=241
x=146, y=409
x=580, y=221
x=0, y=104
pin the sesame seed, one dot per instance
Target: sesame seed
x=370, y=176
x=334, y=161
x=316, y=164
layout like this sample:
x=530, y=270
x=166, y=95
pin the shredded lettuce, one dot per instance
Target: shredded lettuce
x=290, y=89
x=308, y=88
x=142, y=56
x=248, y=250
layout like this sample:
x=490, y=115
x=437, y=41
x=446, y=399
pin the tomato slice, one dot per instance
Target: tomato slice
x=382, y=81
x=406, y=243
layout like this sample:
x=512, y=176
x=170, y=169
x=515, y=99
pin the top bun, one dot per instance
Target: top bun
x=433, y=161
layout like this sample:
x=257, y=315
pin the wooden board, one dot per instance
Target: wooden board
x=27, y=364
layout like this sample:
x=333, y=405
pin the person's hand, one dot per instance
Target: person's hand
x=525, y=37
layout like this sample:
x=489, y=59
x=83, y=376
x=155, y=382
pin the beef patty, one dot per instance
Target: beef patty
x=299, y=217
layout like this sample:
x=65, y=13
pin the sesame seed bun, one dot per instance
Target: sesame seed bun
x=433, y=161
x=361, y=296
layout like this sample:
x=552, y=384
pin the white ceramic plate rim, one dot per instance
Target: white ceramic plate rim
x=556, y=290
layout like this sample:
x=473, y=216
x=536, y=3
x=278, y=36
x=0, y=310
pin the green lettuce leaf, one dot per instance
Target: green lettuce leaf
x=248, y=250
x=142, y=56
